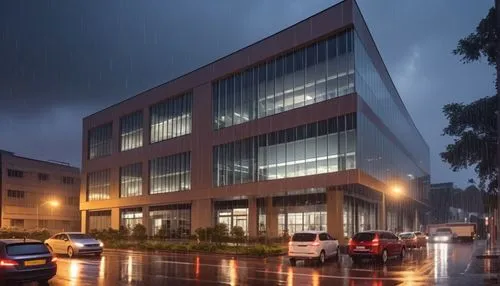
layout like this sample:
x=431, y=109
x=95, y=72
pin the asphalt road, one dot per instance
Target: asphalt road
x=439, y=264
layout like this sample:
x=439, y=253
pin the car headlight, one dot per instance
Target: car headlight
x=101, y=244
x=77, y=244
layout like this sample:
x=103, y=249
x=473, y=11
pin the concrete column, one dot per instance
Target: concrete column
x=382, y=214
x=416, y=223
x=201, y=214
x=115, y=218
x=271, y=219
x=145, y=220
x=114, y=183
x=252, y=217
x=84, y=221
x=335, y=214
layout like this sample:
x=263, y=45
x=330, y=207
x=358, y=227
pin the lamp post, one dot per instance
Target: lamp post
x=52, y=203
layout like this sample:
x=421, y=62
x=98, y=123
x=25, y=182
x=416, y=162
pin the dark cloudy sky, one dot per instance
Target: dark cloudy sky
x=63, y=60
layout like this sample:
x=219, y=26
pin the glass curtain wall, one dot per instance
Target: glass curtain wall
x=318, y=72
x=171, y=118
x=232, y=213
x=100, y=141
x=99, y=220
x=171, y=221
x=131, y=217
x=131, y=180
x=131, y=131
x=315, y=148
x=300, y=210
x=170, y=174
x=359, y=215
x=98, y=185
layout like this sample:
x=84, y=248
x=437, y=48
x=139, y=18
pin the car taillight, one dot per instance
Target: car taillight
x=7, y=263
x=316, y=243
x=350, y=243
x=415, y=238
x=54, y=259
x=290, y=243
x=375, y=241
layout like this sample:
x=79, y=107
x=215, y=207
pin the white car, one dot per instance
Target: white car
x=312, y=245
x=74, y=243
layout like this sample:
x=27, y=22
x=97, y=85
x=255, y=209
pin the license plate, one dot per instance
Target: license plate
x=360, y=247
x=34, y=262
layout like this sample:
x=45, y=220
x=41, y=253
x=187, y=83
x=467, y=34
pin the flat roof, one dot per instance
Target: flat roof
x=52, y=162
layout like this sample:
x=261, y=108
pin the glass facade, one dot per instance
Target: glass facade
x=305, y=210
x=171, y=118
x=99, y=220
x=232, y=213
x=171, y=221
x=131, y=131
x=131, y=180
x=318, y=72
x=130, y=217
x=170, y=174
x=315, y=148
x=359, y=215
x=98, y=185
x=100, y=141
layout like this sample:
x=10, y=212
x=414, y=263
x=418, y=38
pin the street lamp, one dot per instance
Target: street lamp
x=397, y=190
x=52, y=203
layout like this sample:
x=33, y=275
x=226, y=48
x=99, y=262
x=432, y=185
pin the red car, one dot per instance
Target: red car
x=413, y=239
x=375, y=244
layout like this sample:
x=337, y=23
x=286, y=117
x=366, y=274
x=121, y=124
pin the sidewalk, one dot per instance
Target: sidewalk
x=485, y=250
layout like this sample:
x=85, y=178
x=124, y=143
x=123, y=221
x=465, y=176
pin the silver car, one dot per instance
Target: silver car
x=74, y=243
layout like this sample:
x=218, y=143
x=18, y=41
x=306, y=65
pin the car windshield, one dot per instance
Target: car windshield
x=406, y=235
x=79, y=236
x=364, y=236
x=443, y=230
x=304, y=237
x=26, y=249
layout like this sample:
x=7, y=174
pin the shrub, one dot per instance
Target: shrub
x=139, y=232
x=162, y=232
x=123, y=232
x=201, y=234
x=219, y=233
x=238, y=234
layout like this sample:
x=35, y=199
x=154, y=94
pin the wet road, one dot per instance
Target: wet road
x=439, y=264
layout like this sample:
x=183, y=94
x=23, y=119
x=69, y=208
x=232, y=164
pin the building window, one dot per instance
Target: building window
x=15, y=194
x=100, y=141
x=43, y=223
x=131, y=217
x=68, y=180
x=320, y=147
x=170, y=174
x=98, y=185
x=43, y=177
x=15, y=173
x=131, y=180
x=17, y=223
x=99, y=220
x=171, y=221
x=171, y=118
x=131, y=131
x=232, y=213
x=321, y=71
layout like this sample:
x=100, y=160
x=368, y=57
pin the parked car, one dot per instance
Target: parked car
x=443, y=235
x=74, y=243
x=375, y=244
x=25, y=260
x=421, y=239
x=312, y=245
x=410, y=240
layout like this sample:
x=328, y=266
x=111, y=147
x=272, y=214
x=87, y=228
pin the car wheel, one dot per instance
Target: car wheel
x=384, y=257
x=43, y=282
x=293, y=262
x=70, y=252
x=337, y=254
x=322, y=257
x=402, y=254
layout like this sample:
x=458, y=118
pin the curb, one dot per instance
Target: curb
x=195, y=253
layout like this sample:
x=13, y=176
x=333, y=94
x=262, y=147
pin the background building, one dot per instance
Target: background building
x=27, y=185
x=302, y=130
x=451, y=204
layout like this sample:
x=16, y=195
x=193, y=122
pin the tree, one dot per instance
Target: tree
x=474, y=125
x=219, y=233
x=474, y=128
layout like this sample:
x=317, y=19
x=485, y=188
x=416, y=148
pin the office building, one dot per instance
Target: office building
x=38, y=194
x=301, y=130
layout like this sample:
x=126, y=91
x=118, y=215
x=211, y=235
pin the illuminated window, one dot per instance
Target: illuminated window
x=131, y=180
x=171, y=118
x=131, y=131
x=98, y=185
x=100, y=141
